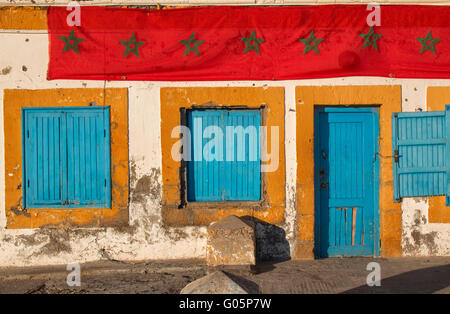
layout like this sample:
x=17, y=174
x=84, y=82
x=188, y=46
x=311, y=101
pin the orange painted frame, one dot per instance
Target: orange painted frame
x=172, y=100
x=437, y=98
x=23, y=17
x=16, y=216
x=388, y=98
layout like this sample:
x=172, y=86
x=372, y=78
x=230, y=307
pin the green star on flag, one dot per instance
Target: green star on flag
x=370, y=39
x=132, y=46
x=71, y=42
x=252, y=43
x=192, y=45
x=311, y=43
x=428, y=42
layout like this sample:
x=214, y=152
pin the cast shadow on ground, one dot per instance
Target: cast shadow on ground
x=247, y=285
x=271, y=245
x=424, y=281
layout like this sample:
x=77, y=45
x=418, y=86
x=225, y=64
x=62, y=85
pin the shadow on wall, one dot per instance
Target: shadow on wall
x=424, y=281
x=271, y=243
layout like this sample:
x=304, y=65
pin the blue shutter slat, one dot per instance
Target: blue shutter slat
x=63, y=157
x=51, y=160
x=97, y=139
x=230, y=186
x=70, y=160
x=209, y=166
x=242, y=179
x=223, y=180
x=40, y=165
x=420, y=139
x=81, y=159
x=45, y=158
x=89, y=159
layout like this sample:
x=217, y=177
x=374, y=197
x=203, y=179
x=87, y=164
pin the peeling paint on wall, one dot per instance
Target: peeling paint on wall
x=419, y=237
x=6, y=70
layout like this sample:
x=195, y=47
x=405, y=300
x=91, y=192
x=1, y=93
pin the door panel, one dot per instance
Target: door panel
x=346, y=182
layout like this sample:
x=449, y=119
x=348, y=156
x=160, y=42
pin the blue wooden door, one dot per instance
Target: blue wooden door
x=346, y=177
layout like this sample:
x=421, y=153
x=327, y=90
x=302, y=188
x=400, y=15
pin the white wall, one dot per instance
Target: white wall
x=147, y=239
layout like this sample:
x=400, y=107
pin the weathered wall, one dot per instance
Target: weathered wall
x=23, y=65
x=425, y=221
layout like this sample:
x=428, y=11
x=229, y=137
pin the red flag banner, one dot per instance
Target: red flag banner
x=249, y=43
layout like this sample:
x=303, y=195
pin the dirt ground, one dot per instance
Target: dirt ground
x=334, y=275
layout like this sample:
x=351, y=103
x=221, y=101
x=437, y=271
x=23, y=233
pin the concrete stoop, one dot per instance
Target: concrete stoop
x=231, y=241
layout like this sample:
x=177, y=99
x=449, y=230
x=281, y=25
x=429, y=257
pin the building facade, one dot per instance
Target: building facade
x=90, y=168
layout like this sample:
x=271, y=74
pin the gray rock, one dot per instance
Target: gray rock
x=220, y=282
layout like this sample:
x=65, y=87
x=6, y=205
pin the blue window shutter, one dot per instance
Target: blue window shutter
x=66, y=157
x=420, y=154
x=236, y=178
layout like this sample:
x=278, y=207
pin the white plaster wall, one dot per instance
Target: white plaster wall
x=291, y=165
x=147, y=239
x=419, y=237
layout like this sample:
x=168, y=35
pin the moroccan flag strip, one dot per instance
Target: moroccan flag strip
x=249, y=43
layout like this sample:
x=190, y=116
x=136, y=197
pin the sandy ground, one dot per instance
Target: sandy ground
x=334, y=275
